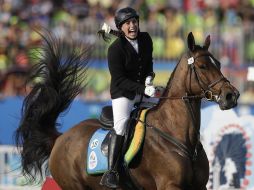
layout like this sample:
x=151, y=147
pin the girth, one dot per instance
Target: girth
x=185, y=152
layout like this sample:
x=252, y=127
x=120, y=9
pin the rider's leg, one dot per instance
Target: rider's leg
x=121, y=111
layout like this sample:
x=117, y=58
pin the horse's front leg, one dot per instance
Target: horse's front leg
x=177, y=173
x=200, y=171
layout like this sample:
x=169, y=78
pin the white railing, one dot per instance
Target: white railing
x=14, y=187
x=10, y=172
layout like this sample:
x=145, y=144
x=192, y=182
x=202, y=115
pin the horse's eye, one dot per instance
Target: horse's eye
x=203, y=66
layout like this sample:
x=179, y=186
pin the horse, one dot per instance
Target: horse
x=172, y=157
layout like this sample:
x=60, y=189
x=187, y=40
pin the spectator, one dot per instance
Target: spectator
x=230, y=24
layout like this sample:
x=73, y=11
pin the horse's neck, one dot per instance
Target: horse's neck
x=176, y=116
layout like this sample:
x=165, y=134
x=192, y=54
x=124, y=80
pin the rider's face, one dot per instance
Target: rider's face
x=130, y=28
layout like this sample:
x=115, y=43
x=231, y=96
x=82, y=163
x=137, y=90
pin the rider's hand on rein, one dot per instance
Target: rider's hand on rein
x=150, y=91
x=158, y=89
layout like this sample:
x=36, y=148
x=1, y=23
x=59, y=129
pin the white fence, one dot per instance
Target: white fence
x=10, y=172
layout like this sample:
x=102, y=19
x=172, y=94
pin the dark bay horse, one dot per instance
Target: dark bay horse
x=172, y=155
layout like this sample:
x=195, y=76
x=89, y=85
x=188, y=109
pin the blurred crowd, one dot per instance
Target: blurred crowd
x=229, y=22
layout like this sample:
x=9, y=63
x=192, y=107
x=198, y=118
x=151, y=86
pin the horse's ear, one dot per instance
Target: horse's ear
x=191, y=42
x=207, y=42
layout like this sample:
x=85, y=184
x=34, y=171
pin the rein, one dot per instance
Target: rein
x=183, y=97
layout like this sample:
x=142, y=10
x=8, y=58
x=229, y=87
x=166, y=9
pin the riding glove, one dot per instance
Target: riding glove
x=150, y=91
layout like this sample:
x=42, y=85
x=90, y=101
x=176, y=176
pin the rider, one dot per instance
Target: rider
x=130, y=64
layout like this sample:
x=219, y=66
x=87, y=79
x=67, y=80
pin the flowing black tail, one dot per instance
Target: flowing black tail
x=60, y=75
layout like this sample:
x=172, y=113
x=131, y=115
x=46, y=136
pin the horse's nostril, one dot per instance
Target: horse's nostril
x=229, y=96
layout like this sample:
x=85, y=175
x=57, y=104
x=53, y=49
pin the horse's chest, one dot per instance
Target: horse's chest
x=184, y=172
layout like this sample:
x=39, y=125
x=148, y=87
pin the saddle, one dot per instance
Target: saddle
x=107, y=122
x=106, y=116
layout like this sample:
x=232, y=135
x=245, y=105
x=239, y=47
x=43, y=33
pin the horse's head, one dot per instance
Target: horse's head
x=204, y=76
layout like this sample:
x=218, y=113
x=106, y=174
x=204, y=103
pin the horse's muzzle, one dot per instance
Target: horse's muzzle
x=228, y=98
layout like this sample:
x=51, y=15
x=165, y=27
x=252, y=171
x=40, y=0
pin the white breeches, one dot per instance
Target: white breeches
x=122, y=108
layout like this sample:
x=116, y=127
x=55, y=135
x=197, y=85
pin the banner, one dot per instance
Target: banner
x=228, y=140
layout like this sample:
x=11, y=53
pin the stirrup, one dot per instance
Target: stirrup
x=110, y=179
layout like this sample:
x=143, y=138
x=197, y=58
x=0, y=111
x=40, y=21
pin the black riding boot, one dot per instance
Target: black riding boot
x=110, y=178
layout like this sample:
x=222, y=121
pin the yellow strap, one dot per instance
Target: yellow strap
x=138, y=138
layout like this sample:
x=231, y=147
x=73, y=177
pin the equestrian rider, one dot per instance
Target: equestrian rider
x=130, y=63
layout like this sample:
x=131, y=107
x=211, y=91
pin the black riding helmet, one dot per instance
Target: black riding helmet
x=123, y=15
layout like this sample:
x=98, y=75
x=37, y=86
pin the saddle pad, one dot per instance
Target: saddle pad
x=137, y=139
x=97, y=162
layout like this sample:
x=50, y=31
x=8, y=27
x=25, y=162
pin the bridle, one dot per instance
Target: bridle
x=206, y=91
